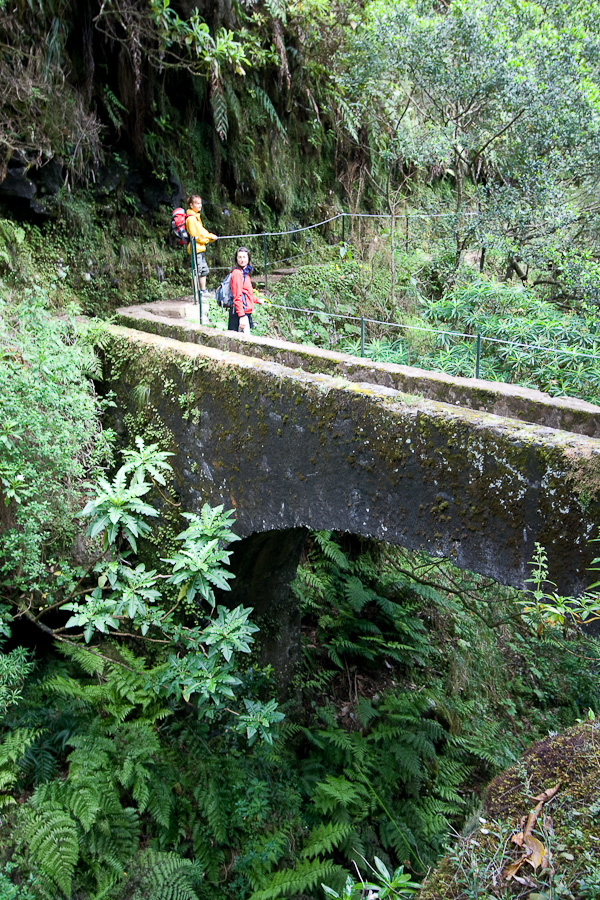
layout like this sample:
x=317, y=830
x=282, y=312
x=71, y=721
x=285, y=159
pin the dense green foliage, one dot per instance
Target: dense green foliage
x=146, y=759
x=142, y=752
x=526, y=340
x=51, y=440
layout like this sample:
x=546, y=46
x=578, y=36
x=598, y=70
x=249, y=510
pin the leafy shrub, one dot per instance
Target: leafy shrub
x=50, y=438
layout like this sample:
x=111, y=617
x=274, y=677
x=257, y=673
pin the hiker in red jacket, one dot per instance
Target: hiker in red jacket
x=244, y=298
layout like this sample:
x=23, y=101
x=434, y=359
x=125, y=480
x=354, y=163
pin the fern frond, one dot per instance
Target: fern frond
x=160, y=803
x=15, y=744
x=219, y=106
x=357, y=594
x=165, y=876
x=50, y=836
x=209, y=857
x=347, y=116
x=365, y=711
x=213, y=805
x=352, y=744
x=332, y=550
x=296, y=881
x=114, y=838
x=266, y=105
x=88, y=661
x=233, y=103
x=325, y=838
x=336, y=792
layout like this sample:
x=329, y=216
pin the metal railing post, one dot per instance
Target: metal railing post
x=362, y=335
x=196, y=282
x=478, y=356
x=194, y=265
x=266, y=264
x=343, y=227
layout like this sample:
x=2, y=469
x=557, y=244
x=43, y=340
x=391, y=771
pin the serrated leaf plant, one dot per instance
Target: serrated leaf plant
x=124, y=598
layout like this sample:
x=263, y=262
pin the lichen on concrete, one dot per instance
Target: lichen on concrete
x=290, y=449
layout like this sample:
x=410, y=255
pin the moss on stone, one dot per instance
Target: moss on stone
x=570, y=760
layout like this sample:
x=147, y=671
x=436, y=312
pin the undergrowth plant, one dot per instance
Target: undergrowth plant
x=107, y=780
x=399, y=728
x=50, y=434
x=328, y=302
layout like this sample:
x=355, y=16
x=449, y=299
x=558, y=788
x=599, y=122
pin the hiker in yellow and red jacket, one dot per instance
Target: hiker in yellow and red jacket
x=195, y=228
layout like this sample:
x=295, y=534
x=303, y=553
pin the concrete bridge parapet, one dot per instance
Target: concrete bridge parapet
x=290, y=448
x=179, y=320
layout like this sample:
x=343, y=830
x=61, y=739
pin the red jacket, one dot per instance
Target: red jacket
x=243, y=294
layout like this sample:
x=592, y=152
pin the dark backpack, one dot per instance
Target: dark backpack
x=178, y=226
x=223, y=293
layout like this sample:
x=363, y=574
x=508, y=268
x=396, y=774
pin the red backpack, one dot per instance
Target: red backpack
x=178, y=226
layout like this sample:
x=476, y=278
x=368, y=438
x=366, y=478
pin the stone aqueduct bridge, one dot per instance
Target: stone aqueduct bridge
x=296, y=438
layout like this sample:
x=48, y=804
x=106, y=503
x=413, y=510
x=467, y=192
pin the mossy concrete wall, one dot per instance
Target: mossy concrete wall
x=289, y=449
x=179, y=320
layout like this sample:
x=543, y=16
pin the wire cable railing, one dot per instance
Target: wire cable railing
x=289, y=232
x=478, y=337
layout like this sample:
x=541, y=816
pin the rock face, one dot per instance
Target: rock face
x=32, y=190
x=17, y=185
x=291, y=450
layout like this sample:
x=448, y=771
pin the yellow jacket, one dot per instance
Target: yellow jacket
x=195, y=228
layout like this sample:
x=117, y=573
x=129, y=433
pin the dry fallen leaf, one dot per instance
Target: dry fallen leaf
x=510, y=871
x=537, y=851
x=524, y=880
x=548, y=795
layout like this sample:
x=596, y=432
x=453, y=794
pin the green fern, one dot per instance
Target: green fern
x=219, y=106
x=278, y=9
x=264, y=101
x=365, y=711
x=325, y=838
x=296, y=881
x=233, y=104
x=357, y=594
x=337, y=792
x=50, y=836
x=12, y=751
x=156, y=875
x=210, y=798
x=331, y=550
x=114, y=107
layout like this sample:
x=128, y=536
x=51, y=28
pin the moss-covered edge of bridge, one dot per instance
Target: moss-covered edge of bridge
x=162, y=375
x=490, y=397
